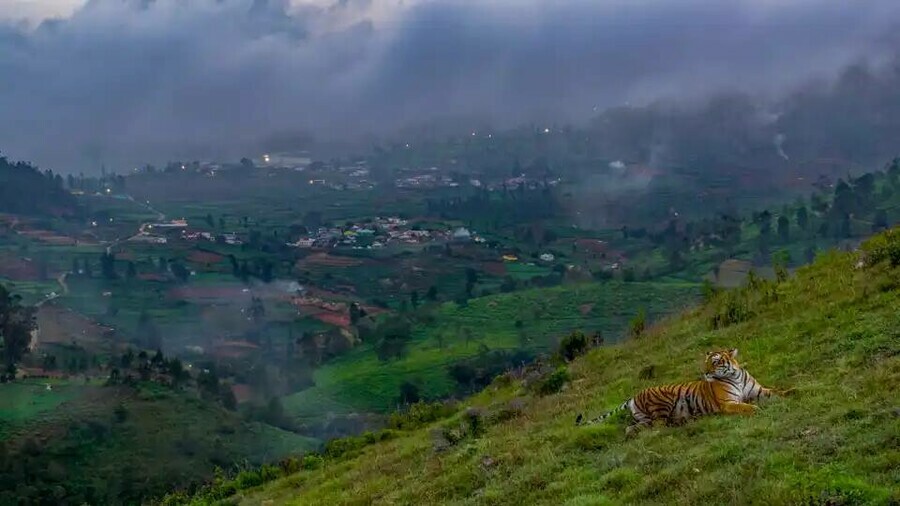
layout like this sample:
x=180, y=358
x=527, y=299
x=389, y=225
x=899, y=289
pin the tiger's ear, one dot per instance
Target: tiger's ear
x=733, y=352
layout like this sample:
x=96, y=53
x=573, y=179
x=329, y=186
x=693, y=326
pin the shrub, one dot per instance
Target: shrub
x=247, y=479
x=731, y=307
x=638, y=324
x=554, y=382
x=574, y=345
x=883, y=247
x=508, y=411
x=312, y=461
x=289, y=465
x=421, y=414
x=647, y=372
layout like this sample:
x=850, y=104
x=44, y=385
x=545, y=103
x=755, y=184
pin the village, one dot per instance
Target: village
x=382, y=232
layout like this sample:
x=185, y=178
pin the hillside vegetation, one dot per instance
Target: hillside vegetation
x=830, y=332
x=528, y=322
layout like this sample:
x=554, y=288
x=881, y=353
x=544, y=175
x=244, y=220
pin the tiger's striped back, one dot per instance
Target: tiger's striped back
x=673, y=403
x=725, y=383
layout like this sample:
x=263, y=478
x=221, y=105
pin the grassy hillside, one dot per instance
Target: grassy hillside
x=830, y=332
x=94, y=444
x=359, y=381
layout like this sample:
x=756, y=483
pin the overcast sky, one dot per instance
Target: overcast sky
x=128, y=81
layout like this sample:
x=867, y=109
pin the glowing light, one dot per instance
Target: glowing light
x=266, y=158
x=546, y=130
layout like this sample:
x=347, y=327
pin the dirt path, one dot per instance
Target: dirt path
x=63, y=290
x=160, y=216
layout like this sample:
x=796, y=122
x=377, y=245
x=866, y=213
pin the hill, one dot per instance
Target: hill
x=58, y=436
x=521, y=324
x=829, y=332
x=25, y=190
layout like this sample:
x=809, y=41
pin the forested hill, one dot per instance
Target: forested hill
x=26, y=190
x=829, y=333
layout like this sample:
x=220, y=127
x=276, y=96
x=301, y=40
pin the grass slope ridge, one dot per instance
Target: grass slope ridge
x=830, y=332
x=531, y=320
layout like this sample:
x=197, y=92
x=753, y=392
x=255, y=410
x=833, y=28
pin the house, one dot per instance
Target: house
x=547, y=257
x=510, y=258
x=152, y=239
x=304, y=242
x=232, y=239
x=461, y=234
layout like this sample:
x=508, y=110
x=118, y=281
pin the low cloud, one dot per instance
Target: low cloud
x=122, y=82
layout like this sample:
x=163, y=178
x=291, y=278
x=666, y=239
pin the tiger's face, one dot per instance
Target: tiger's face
x=721, y=364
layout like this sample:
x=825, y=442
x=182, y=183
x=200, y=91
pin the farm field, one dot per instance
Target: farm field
x=533, y=320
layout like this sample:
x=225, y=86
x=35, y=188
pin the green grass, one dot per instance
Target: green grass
x=526, y=270
x=360, y=382
x=117, y=444
x=830, y=333
x=28, y=399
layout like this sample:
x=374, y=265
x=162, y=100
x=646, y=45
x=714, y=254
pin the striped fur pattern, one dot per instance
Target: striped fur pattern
x=726, y=388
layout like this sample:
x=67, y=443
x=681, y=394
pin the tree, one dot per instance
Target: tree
x=266, y=268
x=432, y=293
x=414, y=299
x=148, y=332
x=180, y=271
x=392, y=337
x=76, y=267
x=764, y=220
x=574, y=345
x=784, y=226
x=312, y=220
x=228, y=399
x=131, y=273
x=257, y=310
x=108, y=266
x=471, y=279
x=844, y=200
x=274, y=414
x=209, y=221
x=845, y=230
x=880, y=222
x=16, y=324
x=222, y=222
x=802, y=218
x=127, y=359
x=356, y=313
x=409, y=393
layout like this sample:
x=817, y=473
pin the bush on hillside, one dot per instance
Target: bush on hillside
x=574, y=345
x=730, y=308
x=883, y=247
x=638, y=324
x=420, y=414
x=554, y=382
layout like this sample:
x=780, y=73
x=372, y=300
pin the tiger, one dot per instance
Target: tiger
x=725, y=388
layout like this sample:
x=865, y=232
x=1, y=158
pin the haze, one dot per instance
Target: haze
x=126, y=82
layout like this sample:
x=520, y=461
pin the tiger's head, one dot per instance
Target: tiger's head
x=721, y=364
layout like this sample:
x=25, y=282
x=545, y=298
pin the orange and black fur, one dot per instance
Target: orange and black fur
x=726, y=388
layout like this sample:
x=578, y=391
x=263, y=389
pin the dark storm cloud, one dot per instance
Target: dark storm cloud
x=125, y=81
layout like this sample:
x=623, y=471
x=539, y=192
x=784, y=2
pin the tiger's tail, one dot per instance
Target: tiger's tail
x=604, y=416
